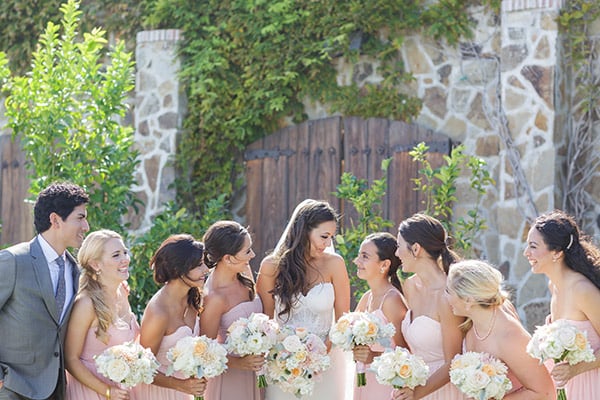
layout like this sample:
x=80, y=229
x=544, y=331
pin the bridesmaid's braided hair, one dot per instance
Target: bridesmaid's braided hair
x=479, y=281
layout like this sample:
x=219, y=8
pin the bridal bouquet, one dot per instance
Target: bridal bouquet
x=197, y=356
x=479, y=375
x=560, y=341
x=399, y=368
x=295, y=360
x=254, y=335
x=127, y=364
x=361, y=328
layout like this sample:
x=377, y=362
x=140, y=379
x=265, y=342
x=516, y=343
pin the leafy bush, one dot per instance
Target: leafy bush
x=367, y=202
x=439, y=187
x=65, y=111
x=22, y=22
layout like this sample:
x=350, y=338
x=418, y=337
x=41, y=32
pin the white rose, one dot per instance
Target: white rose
x=476, y=382
x=494, y=389
x=565, y=336
x=238, y=332
x=255, y=344
x=117, y=370
x=552, y=350
x=292, y=344
x=360, y=328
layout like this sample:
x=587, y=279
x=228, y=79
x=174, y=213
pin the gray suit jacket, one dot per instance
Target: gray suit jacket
x=31, y=336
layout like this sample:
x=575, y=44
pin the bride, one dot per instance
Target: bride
x=304, y=284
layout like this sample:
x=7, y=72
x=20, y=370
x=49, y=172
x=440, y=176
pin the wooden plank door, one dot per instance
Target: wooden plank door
x=307, y=161
x=16, y=213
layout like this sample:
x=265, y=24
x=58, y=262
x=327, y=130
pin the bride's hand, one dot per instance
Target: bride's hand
x=328, y=345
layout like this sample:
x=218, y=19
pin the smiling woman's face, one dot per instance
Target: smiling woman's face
x=537, y=252
x=321, y=236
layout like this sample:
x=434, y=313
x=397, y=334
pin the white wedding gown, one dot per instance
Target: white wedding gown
x=315, y=313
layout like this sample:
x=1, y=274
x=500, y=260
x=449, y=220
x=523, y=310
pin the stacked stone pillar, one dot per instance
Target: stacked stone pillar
x=160, y=107
x=530, y=73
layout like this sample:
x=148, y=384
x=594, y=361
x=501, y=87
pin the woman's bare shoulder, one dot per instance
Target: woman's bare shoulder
x=268, y=266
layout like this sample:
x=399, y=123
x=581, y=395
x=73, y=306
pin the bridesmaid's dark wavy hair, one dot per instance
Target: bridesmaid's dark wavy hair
x=386, y=250
x=293, y=257
x=222, y=238
x=561, y=233
x=174, y=259
x=431, y=235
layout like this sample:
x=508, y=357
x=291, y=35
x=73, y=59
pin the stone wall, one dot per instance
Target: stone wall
x=159, y=110
x=496, y=95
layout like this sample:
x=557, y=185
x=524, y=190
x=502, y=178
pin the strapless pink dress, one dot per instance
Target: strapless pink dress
x=91, y=347
x=424, y=338
x=154, y=392
x=235, y=384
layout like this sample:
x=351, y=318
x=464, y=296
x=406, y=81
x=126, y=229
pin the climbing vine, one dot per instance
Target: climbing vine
x=250, y=66
x=23, y=21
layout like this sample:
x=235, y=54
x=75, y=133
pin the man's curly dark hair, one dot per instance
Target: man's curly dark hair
x=60, y=198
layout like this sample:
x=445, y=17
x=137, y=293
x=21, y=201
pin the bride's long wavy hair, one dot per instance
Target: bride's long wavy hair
x=292, y=253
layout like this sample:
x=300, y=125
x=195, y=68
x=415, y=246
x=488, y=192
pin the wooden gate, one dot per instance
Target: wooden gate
x=307, y=161
x=16, y=215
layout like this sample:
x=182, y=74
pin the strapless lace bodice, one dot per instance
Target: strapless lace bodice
x=313, y=311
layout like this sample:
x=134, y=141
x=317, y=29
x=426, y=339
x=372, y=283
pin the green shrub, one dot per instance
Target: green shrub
x=66, y=110
x=438, y=185
x=367, y=202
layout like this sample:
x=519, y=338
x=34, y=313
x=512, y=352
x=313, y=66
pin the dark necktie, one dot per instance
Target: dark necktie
x=61, y=290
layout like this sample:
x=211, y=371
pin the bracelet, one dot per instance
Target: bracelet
x=107, y=394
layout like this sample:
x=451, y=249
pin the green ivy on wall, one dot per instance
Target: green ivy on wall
x=250, y=65
x=23, y=21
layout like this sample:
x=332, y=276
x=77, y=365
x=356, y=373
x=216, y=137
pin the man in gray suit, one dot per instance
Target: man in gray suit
x=38, y=283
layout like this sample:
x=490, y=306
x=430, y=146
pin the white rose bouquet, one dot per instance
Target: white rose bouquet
x=361, y=328
x=127, y=364
x=399, y=368
x=254, y=335
x=296, y=360
x=560, y=341
x=197, y=356
x=479, y=375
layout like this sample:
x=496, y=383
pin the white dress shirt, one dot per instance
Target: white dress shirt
x=51, y=257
